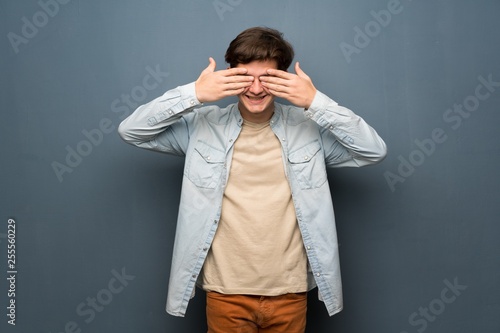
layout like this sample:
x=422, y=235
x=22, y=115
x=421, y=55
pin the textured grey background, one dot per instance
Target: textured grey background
x=73, y=71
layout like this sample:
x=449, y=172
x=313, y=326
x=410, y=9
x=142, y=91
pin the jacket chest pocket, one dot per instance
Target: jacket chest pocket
x=205, y=165
x=308, y=165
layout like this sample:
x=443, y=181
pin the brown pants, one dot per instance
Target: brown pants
x=256, y=314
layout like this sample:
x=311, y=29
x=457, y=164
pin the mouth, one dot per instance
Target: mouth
x=256, y=99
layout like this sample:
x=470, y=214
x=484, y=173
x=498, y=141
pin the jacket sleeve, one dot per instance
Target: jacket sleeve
x=348, y=141
x=160, y=125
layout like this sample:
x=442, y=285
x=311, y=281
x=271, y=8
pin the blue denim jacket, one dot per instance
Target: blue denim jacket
x=325, y=135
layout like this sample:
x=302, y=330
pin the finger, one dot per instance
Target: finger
x=238, y=78
x=234, y=71
x=275, y=87
x=267, y=79
x=234, y=92
x=237, y=86
x=277, y=93
x=279, y=73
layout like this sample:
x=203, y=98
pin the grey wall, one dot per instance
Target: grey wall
x=418, y=232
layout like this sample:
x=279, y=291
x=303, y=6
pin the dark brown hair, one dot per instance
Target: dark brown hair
x=260, y=44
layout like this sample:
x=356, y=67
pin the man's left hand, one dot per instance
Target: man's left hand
x=297, y=88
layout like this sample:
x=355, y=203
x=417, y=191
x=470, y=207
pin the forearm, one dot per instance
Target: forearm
x=357, y=139
x=148, y=121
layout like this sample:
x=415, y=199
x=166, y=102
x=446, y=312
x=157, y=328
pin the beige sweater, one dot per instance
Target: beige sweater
x=258, y=248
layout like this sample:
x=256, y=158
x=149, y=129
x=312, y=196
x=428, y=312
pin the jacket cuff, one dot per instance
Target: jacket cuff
x=188, y=95
x=319, y=103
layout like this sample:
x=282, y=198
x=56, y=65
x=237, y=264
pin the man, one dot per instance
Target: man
x=256, y=227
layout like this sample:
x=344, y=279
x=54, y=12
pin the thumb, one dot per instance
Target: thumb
x=299, y=70
x=211, y=65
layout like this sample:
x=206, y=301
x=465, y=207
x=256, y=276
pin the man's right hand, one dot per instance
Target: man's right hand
x=214, y=85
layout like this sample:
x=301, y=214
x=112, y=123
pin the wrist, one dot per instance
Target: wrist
x=310, y=100
x=199, y=96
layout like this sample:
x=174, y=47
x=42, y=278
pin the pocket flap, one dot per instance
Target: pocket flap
x=209, y=153
x=304, y=154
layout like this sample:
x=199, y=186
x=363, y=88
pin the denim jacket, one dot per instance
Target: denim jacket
x=325, y=135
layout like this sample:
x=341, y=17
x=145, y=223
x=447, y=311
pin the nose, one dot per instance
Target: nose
x=256, y=87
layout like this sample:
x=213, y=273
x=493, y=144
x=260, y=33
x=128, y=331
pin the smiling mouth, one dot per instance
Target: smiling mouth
x=256, y=98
